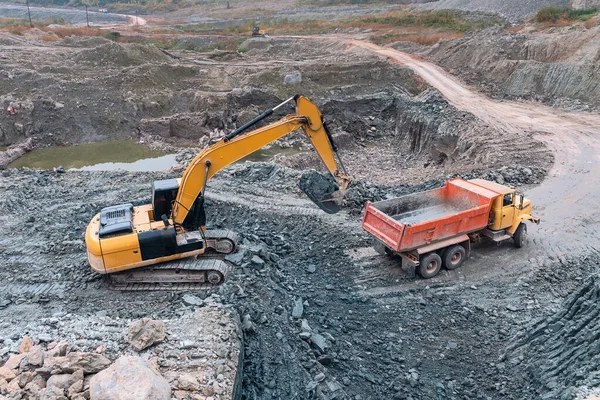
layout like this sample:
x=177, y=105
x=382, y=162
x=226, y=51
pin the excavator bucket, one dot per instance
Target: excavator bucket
x=323, y=190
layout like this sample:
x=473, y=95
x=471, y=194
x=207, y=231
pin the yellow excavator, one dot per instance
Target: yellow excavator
x=257, y=32
x=165, y=244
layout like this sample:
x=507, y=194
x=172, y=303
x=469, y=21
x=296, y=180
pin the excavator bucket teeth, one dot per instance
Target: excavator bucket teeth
x=323, y=191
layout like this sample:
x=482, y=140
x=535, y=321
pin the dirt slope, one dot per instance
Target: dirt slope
x=556, y=65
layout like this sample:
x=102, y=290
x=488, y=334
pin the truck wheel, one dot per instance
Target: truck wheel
x=520, y=235
x=454, y=257
x=430, y=265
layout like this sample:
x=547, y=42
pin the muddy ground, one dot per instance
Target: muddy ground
x=324, y=315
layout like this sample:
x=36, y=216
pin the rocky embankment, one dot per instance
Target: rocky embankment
x=557, y=65
x=194, y=356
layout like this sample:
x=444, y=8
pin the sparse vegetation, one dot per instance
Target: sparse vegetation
x=227, y=45
x=324, y=3
x=426, y=39
x=555, y=15
x=423, y=27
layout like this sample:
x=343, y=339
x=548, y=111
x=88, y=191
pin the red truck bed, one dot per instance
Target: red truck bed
x=419, y=219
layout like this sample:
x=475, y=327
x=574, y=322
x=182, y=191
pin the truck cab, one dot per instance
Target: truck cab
x=509, y=209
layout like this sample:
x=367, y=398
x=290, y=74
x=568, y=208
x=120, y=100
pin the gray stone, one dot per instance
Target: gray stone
x=187, y=344
x=258, y=262
x=236, y=258
x=51, y=393
x=191, y=300
x=319, y=342
x=129, y=378
x=145, y=332
x=298, y=308
x=304, y=335
x=305, y=327
x=247, y=324
x=293, y=79
x=311, y=268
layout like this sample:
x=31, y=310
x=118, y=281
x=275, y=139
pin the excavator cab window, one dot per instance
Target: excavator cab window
x=163, y=194
x=507, y=200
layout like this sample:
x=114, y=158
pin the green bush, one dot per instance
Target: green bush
x=553, y=14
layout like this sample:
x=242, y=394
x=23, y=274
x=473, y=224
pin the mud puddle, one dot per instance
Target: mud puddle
x=107, y=156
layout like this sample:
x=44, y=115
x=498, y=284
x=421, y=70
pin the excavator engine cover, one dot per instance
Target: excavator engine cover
x=116, y=220
x=163, y=194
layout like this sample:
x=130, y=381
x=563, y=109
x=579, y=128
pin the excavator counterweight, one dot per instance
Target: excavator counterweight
x=164, y=244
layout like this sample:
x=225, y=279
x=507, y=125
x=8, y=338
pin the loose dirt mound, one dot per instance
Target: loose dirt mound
x=122, y=55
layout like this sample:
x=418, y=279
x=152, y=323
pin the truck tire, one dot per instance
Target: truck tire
x=454, y=257
x=520, y=235
x=430, y=265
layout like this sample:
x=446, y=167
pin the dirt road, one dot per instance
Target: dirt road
x=566, y=199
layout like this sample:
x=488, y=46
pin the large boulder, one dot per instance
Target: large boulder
x=129, y=378
x=145, y=332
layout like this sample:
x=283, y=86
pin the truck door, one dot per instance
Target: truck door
x=508, y=210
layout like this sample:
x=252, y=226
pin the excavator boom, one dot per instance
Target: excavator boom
x=236, y=146
x=166, y=243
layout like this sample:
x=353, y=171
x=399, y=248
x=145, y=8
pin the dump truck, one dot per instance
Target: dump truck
x=434, y=229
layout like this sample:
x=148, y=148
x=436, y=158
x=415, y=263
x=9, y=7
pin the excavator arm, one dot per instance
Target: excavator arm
x=121, y=240
x=237, y=145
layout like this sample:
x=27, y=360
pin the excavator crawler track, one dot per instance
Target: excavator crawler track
x=184, y=274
